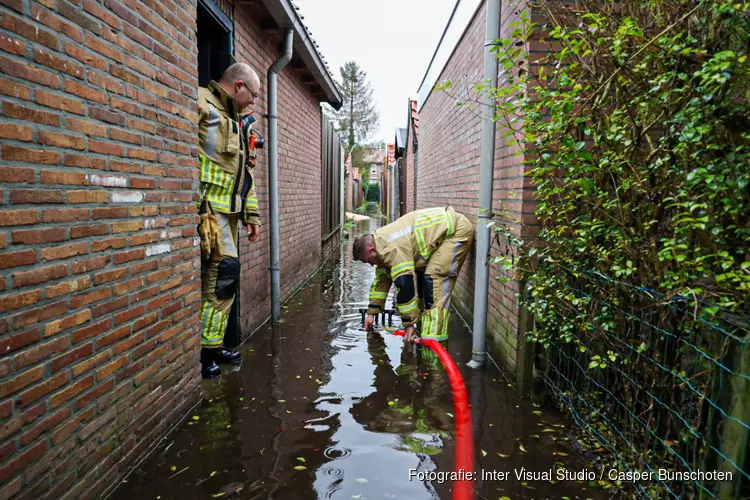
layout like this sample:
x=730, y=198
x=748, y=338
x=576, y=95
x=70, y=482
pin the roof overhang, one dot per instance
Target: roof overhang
x=285, y=14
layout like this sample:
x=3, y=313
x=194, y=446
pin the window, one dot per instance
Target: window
x=215, y=42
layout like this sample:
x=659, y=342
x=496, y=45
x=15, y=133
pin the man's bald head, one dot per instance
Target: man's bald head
x=241, y=82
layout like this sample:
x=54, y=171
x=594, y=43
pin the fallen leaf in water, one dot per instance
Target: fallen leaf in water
x=492, y=425
x=214, y=473
x=548, y=430
x=242, y=399
x=502, y=456
x=536, y=436
x=172, y=468
x=217, y=495
x=196, y=417
x=484, y=453
x=536, y=412
x=318, y=381
x=298, y=376
x=301, y=459
x=229, y=426
x=559, y=453
x=360, y=480
x=520, y=447
x=300, y=467
x=282, y=400
x=391, y=403
x=356, y=496
x=449, y=414
x=504, y=498
x=308, y=349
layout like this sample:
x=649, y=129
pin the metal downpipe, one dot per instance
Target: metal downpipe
x=273, y=170
x=486, y=178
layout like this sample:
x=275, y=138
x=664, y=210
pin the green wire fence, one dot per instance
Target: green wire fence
x=665, y=392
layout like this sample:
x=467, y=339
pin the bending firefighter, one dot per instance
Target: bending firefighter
x=227, y=197
x=422, y=254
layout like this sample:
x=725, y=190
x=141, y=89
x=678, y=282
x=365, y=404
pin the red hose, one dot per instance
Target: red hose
x=464, y=454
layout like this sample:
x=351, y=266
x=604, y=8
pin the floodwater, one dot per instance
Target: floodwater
x=321, y=409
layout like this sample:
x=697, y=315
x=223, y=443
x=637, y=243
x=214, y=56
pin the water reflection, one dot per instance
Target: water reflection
x=321, y=409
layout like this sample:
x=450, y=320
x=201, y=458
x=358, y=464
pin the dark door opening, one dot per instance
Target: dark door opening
x=215, y=42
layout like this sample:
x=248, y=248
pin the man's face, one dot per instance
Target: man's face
x=371, y=257
x=246, y=91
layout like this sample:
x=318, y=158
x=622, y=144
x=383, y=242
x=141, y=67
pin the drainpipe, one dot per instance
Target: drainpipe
x=273, y=170
x=486, y=177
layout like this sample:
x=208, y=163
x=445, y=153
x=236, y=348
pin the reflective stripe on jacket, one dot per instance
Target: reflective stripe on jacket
x=404, y=247
x=225, y=174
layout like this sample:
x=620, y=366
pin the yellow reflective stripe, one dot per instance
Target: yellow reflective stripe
x=378, y=295
x=451, y=224
x=403, y=267
x=213, y=325
x=408, y=307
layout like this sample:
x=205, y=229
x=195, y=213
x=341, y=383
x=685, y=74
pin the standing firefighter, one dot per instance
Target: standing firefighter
x=422, y=254
x=227, y=197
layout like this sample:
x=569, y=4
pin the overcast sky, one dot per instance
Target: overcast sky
x=391, y=40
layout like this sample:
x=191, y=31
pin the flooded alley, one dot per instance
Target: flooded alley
x=321, y=409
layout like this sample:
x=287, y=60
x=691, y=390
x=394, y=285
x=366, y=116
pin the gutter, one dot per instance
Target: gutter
x=273, y=170
x=286, y=15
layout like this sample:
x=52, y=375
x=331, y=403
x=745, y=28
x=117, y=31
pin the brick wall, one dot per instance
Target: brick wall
x=99, y=269
x=409, y=188
x=300, y=170
x=449, y=156
x=99, y=284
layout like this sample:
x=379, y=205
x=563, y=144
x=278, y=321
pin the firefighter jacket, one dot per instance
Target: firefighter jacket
x=226, y=162
x=404, y=247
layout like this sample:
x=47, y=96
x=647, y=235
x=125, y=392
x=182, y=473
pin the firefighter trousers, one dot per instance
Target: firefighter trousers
x=440, y=277
x=219, y=283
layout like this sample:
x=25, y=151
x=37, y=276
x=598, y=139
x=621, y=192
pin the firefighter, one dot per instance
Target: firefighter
x=227, y=198
x=422, y=254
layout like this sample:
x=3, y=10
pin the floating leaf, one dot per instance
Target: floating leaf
x=484, y=453
x=520, y=447
x=318, y=381
x=356, y=496
x=300, y=467
x=536, y=412
x=282, y=400
x=242, y=399
x=391, y=403
x=196, y=417
x=229, y=426
x=503, y=456
x=559, y=453
x=217, y=495
x=172, y=468
x=301, y=459
x=214, y=473
x=449, y=414
x=360, y=480
x=504, y=498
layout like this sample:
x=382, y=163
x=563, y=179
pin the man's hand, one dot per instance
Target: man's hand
x=369, y=322
x=410, y=334
x=253, y=231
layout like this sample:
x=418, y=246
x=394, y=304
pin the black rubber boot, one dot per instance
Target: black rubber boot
x=209, y=368
x=226, y=357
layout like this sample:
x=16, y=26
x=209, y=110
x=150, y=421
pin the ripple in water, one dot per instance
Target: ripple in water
x=333, y=472
x=337, y=452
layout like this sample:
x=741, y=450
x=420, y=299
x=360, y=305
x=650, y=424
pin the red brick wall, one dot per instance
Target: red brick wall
x=300, y=169
x=449, y=156
x=410, y=202
x=99, y=269
x=100, y=273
